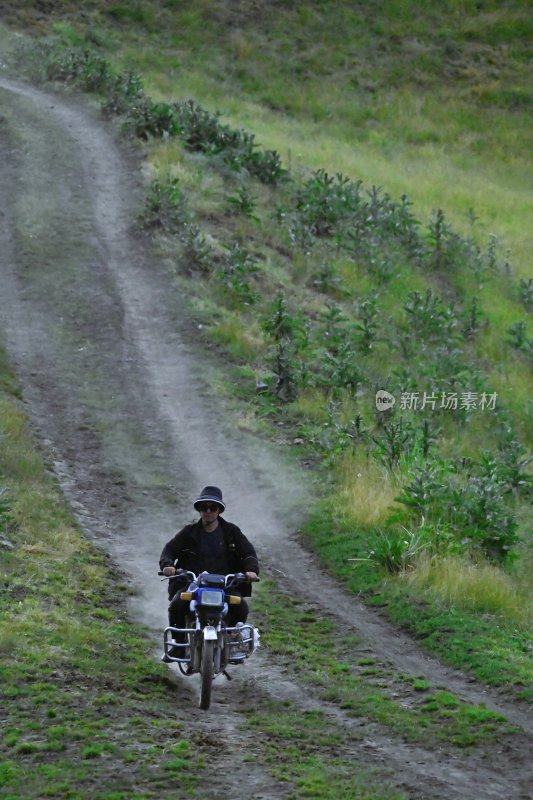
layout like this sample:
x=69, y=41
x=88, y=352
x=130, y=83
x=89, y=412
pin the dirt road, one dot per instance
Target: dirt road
x=123, y=401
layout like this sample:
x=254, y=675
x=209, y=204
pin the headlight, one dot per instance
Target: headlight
x=211, y=597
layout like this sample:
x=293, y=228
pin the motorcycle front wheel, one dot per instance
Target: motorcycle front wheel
x=206, y=674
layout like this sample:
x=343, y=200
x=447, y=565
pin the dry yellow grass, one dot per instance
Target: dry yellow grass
x=311, y=404
x=479, y=587
x=243, y=341
x=366, y=491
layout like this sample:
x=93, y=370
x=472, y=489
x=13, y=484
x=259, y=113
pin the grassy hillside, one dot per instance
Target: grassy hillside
x=429, y=99
x=362, y=246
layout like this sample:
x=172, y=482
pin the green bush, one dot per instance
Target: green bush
x=200, y=130
x=525, y=292
x=236, y=269
x=165, y=206
x=243, y=202
x=124, y=89
x=196, y=254
x=6, y=514
x=323, y=201
x=429, y=320
x=471, y=506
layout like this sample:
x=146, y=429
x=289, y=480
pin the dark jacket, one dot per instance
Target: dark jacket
x=185, y=548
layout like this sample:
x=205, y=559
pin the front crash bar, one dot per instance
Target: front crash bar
x=183, y=648
x=242, y=641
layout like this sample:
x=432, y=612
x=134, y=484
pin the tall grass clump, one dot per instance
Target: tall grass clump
x=481, y=588
x=242, y=341
x=365, y=491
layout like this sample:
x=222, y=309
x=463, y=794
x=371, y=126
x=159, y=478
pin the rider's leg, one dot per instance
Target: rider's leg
x=237, y=613
x=177, y=611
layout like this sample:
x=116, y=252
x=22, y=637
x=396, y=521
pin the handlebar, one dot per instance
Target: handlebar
x=180, y=573
x=232, y=579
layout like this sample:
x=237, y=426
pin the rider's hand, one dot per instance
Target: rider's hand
x=168, y=571
x=252, y=576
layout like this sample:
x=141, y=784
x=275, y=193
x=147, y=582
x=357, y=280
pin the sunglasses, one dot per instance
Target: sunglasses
x=207, y=507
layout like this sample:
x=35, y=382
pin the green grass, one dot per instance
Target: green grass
x=495, y=645
x=241, y=341
x=480, y=588
x=328, y=659
x=296, y=743
x=375, y=105
x=431, y=104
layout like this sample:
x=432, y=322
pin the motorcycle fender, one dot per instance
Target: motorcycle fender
x=209, y=633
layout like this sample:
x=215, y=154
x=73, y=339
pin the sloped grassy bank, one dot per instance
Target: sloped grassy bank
x=83, y=714
x=322, y=291
x=477, y=622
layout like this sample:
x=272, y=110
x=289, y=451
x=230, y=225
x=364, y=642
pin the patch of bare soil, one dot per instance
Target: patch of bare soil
x=121, y=398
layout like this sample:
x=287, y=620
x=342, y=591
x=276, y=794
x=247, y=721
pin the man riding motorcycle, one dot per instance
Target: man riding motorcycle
x=211, y=544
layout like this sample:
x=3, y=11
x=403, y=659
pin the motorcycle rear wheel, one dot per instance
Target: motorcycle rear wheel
x=206, y=674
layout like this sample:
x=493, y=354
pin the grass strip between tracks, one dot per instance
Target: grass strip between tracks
x=320, y=758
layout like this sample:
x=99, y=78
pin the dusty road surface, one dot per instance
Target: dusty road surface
x=121, y=398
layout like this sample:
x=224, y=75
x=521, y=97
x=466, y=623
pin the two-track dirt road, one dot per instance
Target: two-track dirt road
x=121, y=398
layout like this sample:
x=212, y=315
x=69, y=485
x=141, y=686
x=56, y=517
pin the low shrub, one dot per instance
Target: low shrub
x=200, y=129
x=398, y=551
x=165, y=206
x=6, y=511
x=235, y=272
x=471, y=506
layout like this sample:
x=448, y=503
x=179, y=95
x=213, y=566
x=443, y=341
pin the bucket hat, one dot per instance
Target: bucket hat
x=210, y=493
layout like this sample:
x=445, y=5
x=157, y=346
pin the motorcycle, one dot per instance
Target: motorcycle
x=208, y=645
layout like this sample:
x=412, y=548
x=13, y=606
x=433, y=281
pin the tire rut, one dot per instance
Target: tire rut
x=123, y=403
